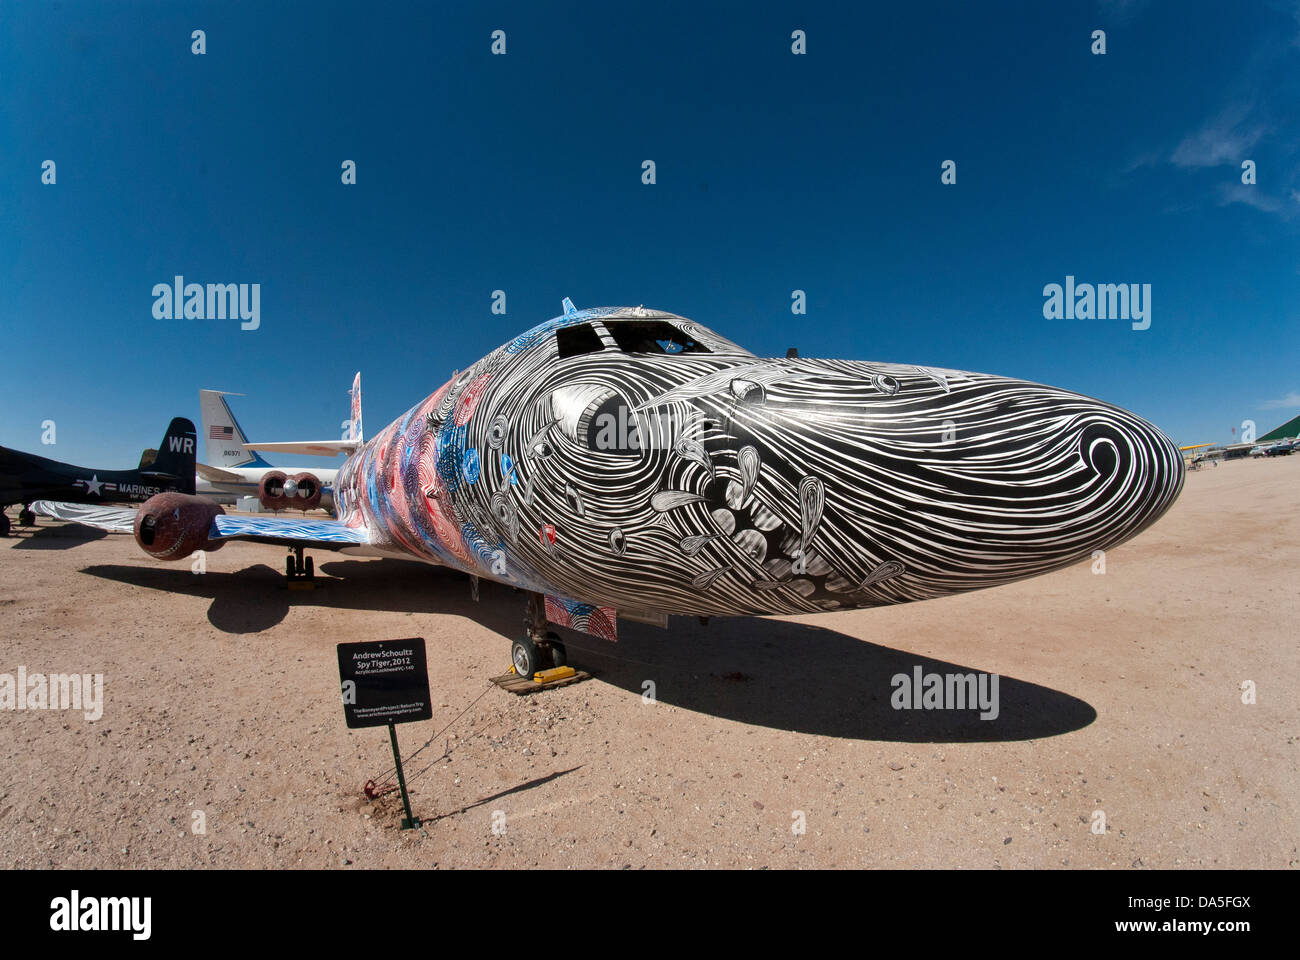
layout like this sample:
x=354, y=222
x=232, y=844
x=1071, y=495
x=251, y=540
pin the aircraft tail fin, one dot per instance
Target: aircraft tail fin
x=226, y=444
x=353, y=424
x=176, y=454
x=348, y=444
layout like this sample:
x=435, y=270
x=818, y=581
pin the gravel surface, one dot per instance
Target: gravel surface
x=1120, y=696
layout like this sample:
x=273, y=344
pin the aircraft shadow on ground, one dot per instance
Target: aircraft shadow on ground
x=54, y=538
x=772, y=673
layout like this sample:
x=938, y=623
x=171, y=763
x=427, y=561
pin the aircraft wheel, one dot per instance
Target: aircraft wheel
x=26, y=518
x=525, y=657
x=311, y=569
x=4, y=525
x=290, y=569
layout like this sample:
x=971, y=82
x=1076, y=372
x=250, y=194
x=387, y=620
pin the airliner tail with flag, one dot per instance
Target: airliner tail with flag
x=235, y=468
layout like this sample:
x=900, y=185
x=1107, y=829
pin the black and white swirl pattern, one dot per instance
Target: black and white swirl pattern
x=729, y=484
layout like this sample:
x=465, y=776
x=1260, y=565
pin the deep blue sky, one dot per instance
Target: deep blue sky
x=523, y=173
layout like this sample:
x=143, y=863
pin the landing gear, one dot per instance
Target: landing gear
x=26, y=518
x=540, y=649
x=4, y=524
x=525, y=657
x=296, y=567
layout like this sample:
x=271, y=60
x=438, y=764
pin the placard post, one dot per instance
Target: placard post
x=410, y=822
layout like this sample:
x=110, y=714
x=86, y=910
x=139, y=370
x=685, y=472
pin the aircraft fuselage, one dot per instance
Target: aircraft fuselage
x=584, y=461
x=25, y=478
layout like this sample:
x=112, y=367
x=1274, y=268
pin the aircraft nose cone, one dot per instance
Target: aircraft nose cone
x=1002, y=479
x=939, y=481
x=1137, y=473
x=1090, y=480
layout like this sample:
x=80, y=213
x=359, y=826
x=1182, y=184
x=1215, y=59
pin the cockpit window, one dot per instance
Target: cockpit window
x=578, y=339
x=652, y=336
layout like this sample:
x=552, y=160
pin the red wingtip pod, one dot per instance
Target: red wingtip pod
x=308, y=493
x=270, y=490
x=171, y=526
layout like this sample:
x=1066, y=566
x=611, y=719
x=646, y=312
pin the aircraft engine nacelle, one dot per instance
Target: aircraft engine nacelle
x=171, y=526
x=278, y=491
x=305, y=489
x=270, y=490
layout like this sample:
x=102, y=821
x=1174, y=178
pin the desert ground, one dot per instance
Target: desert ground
x=222, y=741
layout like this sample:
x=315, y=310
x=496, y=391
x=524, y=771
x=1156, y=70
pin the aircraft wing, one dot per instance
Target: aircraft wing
x=309, y=448
x=293, y=531
x=216, y=474
x=110, y=518
x=300, y=531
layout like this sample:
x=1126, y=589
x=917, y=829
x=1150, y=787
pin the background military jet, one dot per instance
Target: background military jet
x=26, y=478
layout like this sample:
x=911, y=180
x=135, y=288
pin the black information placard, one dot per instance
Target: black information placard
x=384, y=681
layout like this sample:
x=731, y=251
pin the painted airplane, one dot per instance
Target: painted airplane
x=235, y=467
x=26, y=478
x=628, y=462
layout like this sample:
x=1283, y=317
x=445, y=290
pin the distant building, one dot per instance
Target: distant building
x=1285, y=432
x=1231, y=451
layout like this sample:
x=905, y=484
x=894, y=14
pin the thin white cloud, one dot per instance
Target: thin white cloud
x=1150, y=158
x=1290, y=402
x=1228, y=138
x=1254, y=122
x=1250, y=195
